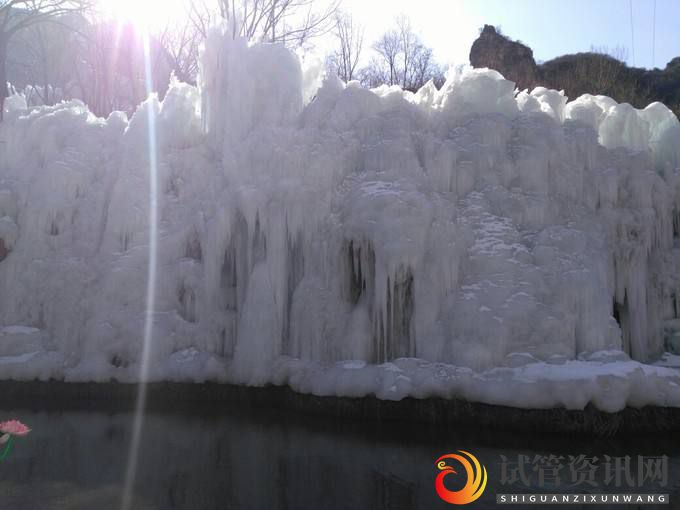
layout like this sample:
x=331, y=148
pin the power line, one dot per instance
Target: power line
x=654, y=37
x=632, y=32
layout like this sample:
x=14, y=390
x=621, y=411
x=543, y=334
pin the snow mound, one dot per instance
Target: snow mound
x=314, y=233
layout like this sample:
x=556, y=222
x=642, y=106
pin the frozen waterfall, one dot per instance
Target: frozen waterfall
x=348, y=241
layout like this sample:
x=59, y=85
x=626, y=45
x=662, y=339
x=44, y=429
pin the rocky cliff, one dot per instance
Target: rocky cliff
x=577, y=74
x=512, y=59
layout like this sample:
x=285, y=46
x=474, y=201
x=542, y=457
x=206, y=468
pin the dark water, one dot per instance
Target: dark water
x=238, y=459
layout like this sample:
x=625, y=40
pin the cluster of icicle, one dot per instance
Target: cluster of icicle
x=302, y=218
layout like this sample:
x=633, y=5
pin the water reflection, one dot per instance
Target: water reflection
x=264, y=460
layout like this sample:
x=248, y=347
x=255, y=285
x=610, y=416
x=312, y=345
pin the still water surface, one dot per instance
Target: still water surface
x=250, y=459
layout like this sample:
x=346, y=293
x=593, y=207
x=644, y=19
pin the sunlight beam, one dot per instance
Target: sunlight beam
x=133, y=455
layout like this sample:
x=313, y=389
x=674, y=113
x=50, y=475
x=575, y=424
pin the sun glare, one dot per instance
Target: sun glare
x=147, y=14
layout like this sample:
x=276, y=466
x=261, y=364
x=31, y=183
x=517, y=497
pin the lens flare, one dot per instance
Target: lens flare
x=133, y=455
x=149, y=14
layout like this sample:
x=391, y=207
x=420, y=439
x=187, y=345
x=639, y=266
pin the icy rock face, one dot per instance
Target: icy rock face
x=460, y=226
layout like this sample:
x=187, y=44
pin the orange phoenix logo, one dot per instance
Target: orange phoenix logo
x=474, y=486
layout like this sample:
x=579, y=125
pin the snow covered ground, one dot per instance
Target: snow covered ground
x=475, y=241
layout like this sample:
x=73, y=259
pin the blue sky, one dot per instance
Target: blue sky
x=550, y=27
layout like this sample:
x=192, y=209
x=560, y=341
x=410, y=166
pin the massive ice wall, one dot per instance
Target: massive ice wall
x=473, y=226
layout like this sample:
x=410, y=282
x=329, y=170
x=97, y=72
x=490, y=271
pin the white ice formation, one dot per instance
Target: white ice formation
x=466, y=241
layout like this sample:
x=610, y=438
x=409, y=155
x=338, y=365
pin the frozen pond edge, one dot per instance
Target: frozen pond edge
x=172, y=397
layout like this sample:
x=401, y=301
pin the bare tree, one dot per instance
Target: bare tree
x=409, y=43
x=17, y=15
x=181, y=41
x=293, y=22
x=111, y=71
x=385, y=67
x=401, y=59
x=202, y=15
x=350, y=37
x=182, y=37
x=96, y=72
x=42, y=57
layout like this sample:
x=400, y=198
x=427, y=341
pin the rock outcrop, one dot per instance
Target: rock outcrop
x=512, y=59
x=591, y=72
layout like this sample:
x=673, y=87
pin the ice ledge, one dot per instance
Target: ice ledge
x=609, y=386
x=604, y=380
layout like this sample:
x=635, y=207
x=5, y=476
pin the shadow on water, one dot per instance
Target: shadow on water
x=278, y=460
